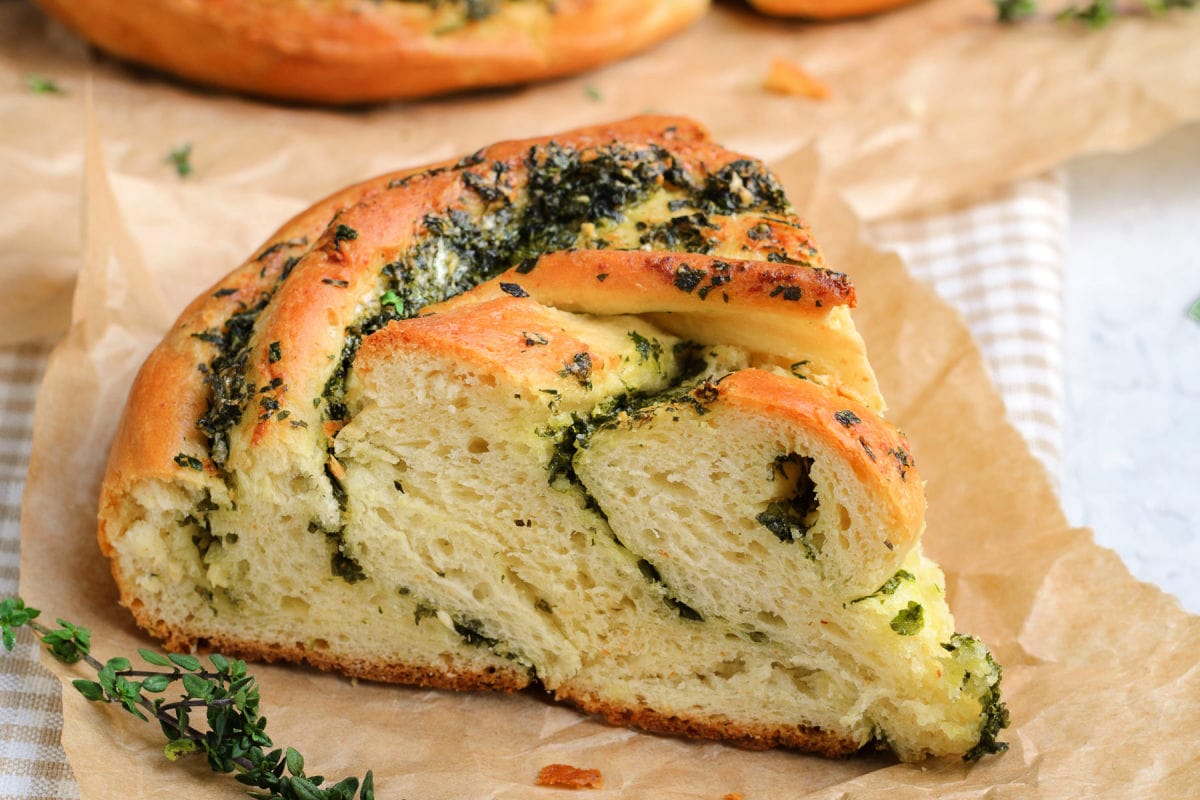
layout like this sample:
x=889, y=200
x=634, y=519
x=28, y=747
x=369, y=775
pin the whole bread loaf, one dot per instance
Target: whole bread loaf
x=587, y=412
x=359, y=51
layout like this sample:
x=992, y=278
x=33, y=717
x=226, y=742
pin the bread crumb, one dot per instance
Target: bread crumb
x=564, y=776
x=784, y=77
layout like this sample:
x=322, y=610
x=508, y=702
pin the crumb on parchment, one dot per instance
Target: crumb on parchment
x=564, y=776
x=785, y=77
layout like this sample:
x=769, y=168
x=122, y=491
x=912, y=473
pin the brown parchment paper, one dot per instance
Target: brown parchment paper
x=1100, y=670
x=928, y=103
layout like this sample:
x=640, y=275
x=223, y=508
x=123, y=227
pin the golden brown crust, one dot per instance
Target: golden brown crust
x=356, y=51
x=748, y=736
x=444, y=675
x=825, y=9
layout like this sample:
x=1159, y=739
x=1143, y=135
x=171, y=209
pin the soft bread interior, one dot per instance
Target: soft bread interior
x=642, y=579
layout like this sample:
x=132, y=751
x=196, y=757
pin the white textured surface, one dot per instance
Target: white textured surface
x=1131, y=460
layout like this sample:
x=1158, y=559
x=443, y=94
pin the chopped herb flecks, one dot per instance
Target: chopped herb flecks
x=40, y=84
x=847, y=418
x=181, y=159
x=910, y=620
x=190, y=462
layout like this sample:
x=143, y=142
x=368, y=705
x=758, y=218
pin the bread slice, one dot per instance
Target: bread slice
x=492, y=425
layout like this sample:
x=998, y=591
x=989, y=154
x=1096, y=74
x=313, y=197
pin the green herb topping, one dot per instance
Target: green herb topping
x=190, y=462
x=847, y=418
x=910, y=620
x=792, y=517
x=889, y=586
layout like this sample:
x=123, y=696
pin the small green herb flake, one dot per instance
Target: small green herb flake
x=687, y=279
x=592, y=93
x=532, y=339
x=274, y=353
x=189, y=462
x=1010, y=11
x=181, y=159
x=847, y=418
x=1094, y=14
x=513, y=289
x=579, y=368
x=40, y=84
x=1194, y=311
x=889, y=586
x=343, y=233
x=909, y=621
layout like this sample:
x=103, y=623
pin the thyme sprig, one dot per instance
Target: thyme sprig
x=233, y=737
x=1093, y=13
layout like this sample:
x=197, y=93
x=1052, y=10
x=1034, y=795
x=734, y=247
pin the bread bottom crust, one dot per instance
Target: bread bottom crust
x=449, y=677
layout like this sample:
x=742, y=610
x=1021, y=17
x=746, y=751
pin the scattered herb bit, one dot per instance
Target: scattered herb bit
x=398, y=485
x=390, y=298
x=274, y=353
x=646, y=348
x=1194, y=311
x=792, y=293
x=579, y=368
x=343, y=233
x=592, y=93
x=40, y=84
x=181, y=159
x=1010, y=11
x=603, y=276
x=513, y=289
x=889, y=586
x=847, y=418
x=225, y=696
x=867, y=448
x=797, y=369
x=190, y=462
x=532, y=339
x=1094, y=14
x=225, y=292
x=526, y=266
x=902, y=460
x=688, y=279
x=487, y=192
x=910, y=620
x=338, y=282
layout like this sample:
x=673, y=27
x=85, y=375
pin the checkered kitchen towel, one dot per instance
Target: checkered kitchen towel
x=998, y=259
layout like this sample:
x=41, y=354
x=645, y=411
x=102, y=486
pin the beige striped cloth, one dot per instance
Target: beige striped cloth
x=997, y=258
